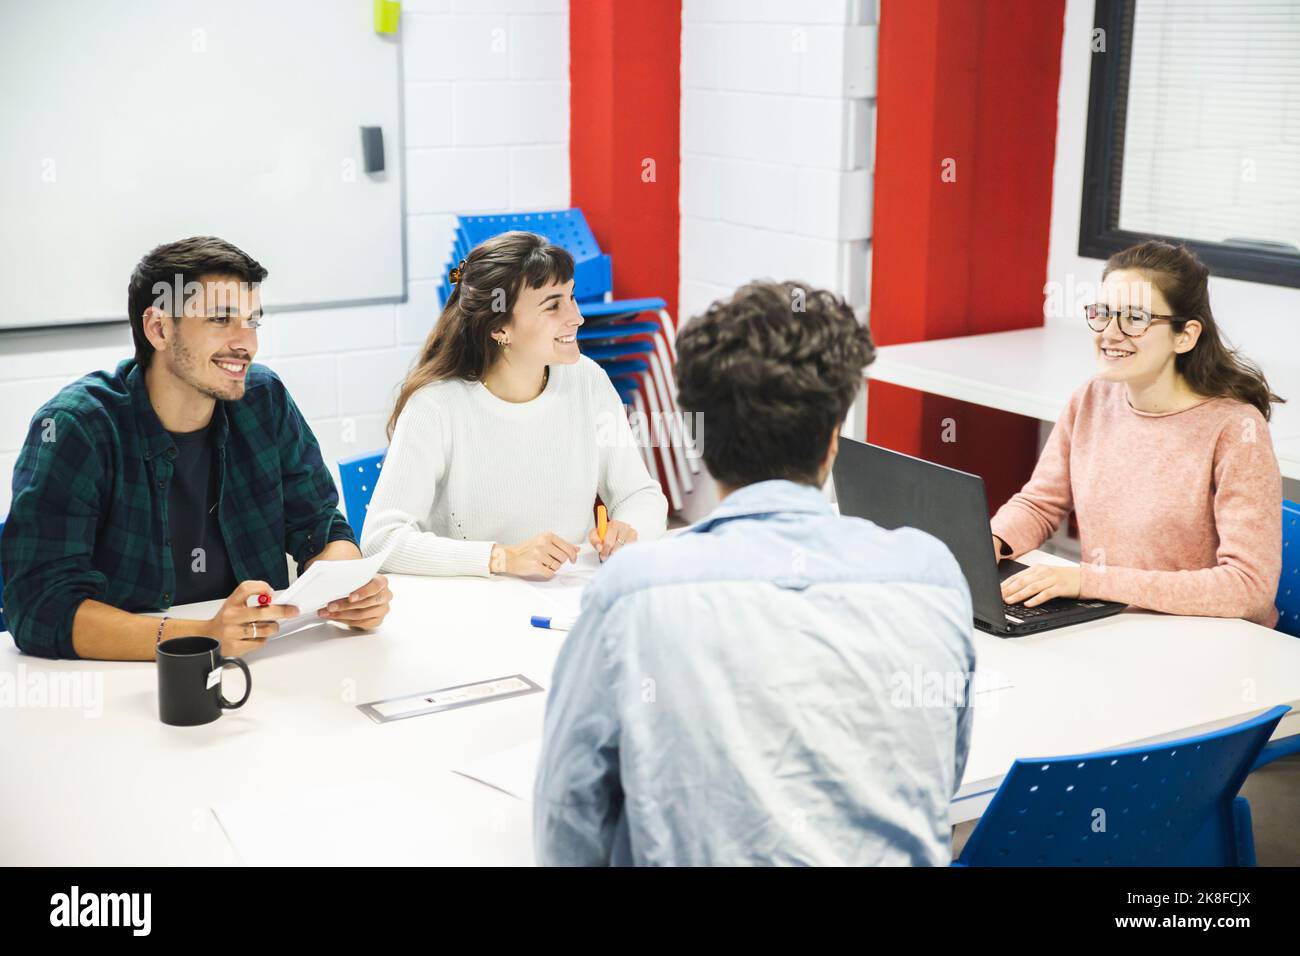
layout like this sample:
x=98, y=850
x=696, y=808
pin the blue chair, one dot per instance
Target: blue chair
x=1288, y=587
x=1169, y=804
x=567, y=228
x=1288, y=621
x=678, y=465
x=359, y=475
x=616, y=330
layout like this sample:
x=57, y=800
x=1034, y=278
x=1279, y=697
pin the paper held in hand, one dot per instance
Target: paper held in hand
x=327, y=581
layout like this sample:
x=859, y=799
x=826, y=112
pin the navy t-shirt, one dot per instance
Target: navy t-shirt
x=203, y=571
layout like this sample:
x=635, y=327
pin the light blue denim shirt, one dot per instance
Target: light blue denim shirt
x=747, y=692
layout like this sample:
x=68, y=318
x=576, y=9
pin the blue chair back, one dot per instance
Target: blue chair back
x=616, y=330
x=593, y=273
x=1288, y=587
x=617, y=350
x=1169, y=804
x=626, y=388
x=358, y=475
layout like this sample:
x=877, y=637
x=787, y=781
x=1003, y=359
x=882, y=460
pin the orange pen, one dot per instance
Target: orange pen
x=602, y=522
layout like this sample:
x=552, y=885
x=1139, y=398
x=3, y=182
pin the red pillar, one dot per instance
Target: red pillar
x=966, y=87
x=624, y=98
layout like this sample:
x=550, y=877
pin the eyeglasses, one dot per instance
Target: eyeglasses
x=1134, y=323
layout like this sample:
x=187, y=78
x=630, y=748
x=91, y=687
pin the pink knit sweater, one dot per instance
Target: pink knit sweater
x=1178, y=512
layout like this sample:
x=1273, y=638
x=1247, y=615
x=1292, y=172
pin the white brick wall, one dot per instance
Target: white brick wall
x=486, y=117
x=778, y=108
x=777, y=137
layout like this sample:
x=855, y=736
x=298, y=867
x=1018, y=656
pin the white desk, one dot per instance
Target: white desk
x=1136, y=677
x=123, y=789
x=1033, y=372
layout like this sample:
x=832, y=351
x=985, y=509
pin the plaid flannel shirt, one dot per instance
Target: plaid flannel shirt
x=89, y=512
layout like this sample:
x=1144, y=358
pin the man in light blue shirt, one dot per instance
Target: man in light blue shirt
x=741, y=693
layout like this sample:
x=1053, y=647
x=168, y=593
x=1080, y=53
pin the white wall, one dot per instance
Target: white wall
x=778, y=106
x=777, y=153
x=486, y=114
x=1264, y=320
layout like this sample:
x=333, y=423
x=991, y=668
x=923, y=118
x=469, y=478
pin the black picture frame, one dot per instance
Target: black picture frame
x=1099, y=232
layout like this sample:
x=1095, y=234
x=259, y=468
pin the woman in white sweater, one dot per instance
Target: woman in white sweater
x=504, y=433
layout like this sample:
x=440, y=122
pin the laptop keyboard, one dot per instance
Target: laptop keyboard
x=1018, y=613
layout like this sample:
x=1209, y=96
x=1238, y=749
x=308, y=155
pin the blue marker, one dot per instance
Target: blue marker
x=553, y=623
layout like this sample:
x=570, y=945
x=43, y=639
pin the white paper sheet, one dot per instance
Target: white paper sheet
x=327, y=581
x=323, y=582
x=562, y=594
x=986, y=681
x=511, y=771
x=205, y=610
x=377, y=823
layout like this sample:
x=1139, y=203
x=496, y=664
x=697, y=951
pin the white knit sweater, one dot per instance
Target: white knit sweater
x=466, y=469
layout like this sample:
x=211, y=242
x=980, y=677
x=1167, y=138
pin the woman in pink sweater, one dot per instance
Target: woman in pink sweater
x=1164, y=457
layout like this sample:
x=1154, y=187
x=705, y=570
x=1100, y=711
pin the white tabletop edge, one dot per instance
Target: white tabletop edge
x=928, y=367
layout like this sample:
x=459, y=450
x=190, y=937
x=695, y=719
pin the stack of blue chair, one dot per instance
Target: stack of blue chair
x=634, y=340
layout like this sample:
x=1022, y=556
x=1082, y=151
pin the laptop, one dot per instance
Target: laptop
x=895, y=491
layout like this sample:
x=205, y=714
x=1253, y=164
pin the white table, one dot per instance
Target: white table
x=1136, y=677
x=123, y=789
x=1034, y=371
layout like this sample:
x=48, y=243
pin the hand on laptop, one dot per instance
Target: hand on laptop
x=1041, y=583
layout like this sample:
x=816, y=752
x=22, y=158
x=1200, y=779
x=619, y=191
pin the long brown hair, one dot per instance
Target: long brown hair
x=483, y=297
x=1212, y=367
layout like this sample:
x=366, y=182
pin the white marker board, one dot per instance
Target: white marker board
x=128, y=123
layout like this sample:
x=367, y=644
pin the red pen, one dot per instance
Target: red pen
x=263, y=600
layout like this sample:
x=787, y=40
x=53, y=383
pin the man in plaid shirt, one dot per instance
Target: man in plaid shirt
x=187, y=474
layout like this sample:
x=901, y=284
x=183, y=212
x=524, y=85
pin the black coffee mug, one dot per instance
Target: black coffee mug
x=186, y=694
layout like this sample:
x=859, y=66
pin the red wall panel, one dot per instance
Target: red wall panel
x=624, y=100
x=969, y=86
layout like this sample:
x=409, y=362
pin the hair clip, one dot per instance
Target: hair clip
x=456, y=273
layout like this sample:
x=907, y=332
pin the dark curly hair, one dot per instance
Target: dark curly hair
x=772, y=371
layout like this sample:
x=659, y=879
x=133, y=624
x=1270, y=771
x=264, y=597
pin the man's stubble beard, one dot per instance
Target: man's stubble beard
x=185, y=366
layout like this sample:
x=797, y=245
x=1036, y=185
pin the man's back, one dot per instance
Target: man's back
x=745, y=693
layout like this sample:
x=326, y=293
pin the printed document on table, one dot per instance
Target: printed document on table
x=562, y=594
x=379, y=823
x=510, y=771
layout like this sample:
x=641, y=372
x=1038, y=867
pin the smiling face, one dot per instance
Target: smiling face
x=1145, y=358
x=213, y=343
x=543, y=327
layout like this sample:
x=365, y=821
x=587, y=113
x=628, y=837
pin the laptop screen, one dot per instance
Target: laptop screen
x=896, y=491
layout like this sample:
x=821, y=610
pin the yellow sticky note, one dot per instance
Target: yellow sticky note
x=387, y=15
